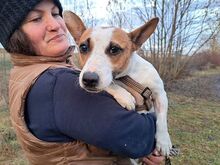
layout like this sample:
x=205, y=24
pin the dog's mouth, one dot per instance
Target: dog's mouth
x=90, y=81
x=92, y=89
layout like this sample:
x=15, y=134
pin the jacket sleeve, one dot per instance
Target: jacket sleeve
x=98, y=119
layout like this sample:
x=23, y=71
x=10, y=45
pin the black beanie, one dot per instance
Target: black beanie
x=13, y=13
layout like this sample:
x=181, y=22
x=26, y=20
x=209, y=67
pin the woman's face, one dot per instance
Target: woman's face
x=46, y=29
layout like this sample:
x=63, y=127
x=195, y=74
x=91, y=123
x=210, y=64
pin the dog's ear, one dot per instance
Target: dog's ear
x=141, y=34
x=74, y=24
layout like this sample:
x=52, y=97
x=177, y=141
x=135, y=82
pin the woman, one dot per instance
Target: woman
x=55, y=120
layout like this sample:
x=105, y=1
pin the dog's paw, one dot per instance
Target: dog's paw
x=163, y=143
x=125, y=99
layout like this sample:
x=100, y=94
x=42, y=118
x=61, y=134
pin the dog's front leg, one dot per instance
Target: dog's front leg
x=162, y=136
x=122, y=96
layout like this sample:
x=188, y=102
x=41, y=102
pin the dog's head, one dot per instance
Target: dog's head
x=104, y=51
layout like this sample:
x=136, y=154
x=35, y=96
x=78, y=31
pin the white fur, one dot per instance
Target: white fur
x=143, y=72
x=138, y=69
x=97, y=62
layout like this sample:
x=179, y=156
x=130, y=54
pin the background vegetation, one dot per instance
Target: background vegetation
x=185, y=27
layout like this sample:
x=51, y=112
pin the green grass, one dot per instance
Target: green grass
x=194, y=128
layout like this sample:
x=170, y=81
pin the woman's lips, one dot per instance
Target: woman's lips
x=56, y=37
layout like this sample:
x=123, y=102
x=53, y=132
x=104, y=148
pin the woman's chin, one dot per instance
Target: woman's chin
x=57, y=50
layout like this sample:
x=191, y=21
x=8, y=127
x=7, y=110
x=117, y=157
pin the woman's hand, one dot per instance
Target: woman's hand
x=154, y=159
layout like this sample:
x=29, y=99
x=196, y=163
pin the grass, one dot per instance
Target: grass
x=194, y=128
x=10, y=151
x=208, y=72
x=5, y=63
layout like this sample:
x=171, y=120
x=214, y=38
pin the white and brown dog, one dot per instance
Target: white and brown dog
x=108, y=51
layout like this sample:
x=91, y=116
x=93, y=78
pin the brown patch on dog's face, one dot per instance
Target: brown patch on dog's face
x=118, y=49
x=122, y=46
x=85, y=47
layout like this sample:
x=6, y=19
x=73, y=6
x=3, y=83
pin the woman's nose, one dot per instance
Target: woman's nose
x=52, y=24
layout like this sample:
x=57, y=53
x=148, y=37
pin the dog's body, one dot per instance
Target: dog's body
x=108, y=53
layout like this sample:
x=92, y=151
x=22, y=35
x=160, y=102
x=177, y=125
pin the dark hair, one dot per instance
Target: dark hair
x=20, y=43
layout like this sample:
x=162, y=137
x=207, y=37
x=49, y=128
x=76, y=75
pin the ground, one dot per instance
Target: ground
x=202, y=84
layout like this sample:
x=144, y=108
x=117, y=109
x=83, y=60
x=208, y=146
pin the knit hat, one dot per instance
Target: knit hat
x=13, y=13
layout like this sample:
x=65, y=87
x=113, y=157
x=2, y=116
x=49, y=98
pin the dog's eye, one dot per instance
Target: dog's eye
x=114, y=50
x=83, y=48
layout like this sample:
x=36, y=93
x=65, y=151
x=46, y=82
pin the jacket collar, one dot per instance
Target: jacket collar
x=24, y=60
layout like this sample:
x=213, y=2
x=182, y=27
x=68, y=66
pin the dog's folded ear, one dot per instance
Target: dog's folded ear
x=141, y=34
x=74, y=24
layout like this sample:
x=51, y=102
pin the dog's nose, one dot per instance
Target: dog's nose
x=90, y=79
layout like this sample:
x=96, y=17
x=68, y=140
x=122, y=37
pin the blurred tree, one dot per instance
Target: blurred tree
x=119, y=15
x=214, y=44
x=82, y=8
x=181, y=30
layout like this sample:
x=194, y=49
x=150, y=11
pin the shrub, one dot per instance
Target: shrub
x=205, y=60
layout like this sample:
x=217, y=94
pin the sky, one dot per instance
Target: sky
x=99, y=7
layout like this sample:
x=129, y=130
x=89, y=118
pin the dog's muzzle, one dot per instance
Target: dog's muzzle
x=90, y=80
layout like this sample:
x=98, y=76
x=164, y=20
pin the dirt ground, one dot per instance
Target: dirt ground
x=205, y=87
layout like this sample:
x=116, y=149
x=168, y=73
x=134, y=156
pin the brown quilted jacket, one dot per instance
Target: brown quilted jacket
x=37, y=151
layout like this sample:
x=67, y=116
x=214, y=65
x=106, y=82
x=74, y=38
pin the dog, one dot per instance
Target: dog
x=106, y=53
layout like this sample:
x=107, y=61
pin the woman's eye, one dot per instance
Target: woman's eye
x=37, y=19
x=114, y=50
x=55, y=14
x=83, y=48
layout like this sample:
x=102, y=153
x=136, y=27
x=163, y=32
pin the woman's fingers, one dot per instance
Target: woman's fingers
x=154, y=159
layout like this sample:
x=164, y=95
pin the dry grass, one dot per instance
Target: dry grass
x=209, y=72
x=10, y=151
x=203, y=84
